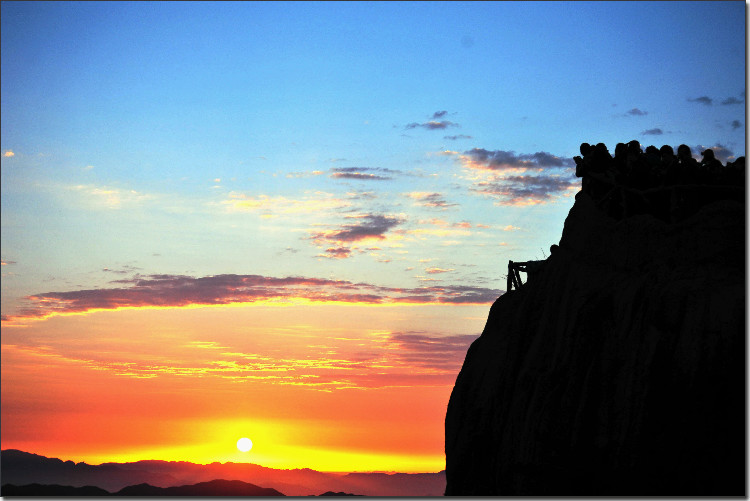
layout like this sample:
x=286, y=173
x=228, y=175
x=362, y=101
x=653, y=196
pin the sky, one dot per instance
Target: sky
x=288, y=221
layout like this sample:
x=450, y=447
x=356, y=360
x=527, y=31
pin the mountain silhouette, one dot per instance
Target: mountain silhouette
x=22, y=468
x=618, y=368
x=37, y=490
x=212, y=488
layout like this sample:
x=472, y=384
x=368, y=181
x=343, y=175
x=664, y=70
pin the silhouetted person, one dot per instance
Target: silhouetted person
x=710, y=168
x=671, y=167
x=688, y=165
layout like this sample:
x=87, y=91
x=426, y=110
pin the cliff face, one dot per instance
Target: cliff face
x=619, y=369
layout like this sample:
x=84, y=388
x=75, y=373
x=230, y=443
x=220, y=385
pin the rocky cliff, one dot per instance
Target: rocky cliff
x=618, y=369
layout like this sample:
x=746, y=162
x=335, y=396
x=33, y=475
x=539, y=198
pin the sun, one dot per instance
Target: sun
x=244, y=444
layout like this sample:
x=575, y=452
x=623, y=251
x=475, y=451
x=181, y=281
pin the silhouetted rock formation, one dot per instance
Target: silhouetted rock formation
x=618, y=370
x=37, y=490
x=331, y=493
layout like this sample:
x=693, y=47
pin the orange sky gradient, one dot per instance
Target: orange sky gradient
x=326, y=386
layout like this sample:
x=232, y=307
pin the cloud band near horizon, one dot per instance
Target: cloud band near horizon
x=177, y=291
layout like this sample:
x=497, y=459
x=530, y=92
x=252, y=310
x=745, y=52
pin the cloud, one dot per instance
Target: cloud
x=736, y=124
x=362, y=173
x=480, y=158
x=6, y=263
x=432, y=125
x=732, y=100
x=636, y=112
x=9, y=153
x=459, y=136
x=703, y=100
x=510, y=227
x=371, y=227
x=439, y=114
x=721, y=152
x=336, y=253
x=427, y=199
x=526, y=190
x=653, y=132
x=111, y=198
x=427, y=350
x=175, y=291
x=435, y=270
x=239, y=202
x=305, y=174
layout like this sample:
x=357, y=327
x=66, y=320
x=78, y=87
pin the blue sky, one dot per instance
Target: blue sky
x=153, y=102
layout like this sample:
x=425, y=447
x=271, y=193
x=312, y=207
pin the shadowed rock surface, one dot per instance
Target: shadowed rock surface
x=618, y=370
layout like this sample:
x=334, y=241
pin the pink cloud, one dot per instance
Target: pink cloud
x=174, y=291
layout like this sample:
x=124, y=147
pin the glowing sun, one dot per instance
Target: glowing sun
x=244, y=444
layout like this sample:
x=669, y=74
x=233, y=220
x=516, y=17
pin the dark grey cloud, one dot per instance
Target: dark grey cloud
x=525, y=190
x=732, y=100
x=703, y=100
x=458, y=136
x=653, y=132
x=439, y=114
x=500, y=159
x=432, y=125
x=636, y=112
x=736, y=124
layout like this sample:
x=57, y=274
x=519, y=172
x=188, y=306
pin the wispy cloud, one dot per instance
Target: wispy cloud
x=702, y=100
x=109, y=197
x=340, y=242
x=239, y=202
x=427, y=199
x=458, y=136
x=526, y=190
x=174, y=291
x=736, y=124
x=435, y=270
x=652, y=132
x=721, y=152
x=363, y=173
x=432, y=125
x=6, y=263
x=439, y=114
x=732, y=100
x=635, y=112
x=480, y=158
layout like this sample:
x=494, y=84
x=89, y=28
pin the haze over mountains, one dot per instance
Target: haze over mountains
x=22, y=468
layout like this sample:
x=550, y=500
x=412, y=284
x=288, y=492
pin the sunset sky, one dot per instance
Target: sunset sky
x=288, y=221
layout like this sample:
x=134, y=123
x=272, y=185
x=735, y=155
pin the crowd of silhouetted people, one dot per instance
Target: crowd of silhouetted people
x=656, y=181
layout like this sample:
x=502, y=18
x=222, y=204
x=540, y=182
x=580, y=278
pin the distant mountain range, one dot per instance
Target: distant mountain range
x=22, y=469
x=212, y=488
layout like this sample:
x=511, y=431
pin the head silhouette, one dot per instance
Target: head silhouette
x=708, y=155
x=683, y=152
